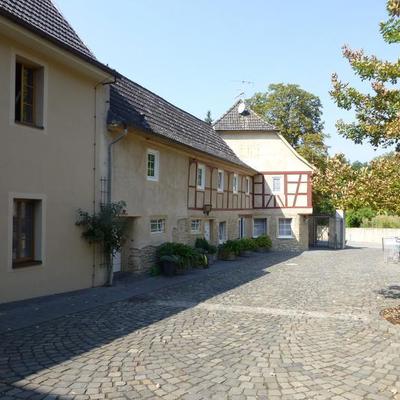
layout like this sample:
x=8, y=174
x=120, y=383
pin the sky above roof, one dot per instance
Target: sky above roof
x=196, y=54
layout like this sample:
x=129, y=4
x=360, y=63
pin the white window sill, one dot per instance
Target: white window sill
x=285, y=237
x=220, y=190
x=201, y=188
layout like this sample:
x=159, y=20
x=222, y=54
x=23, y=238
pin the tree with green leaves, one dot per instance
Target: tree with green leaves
x=208, y=118
x=107, y=227
x=298, y=115
x=377, y=113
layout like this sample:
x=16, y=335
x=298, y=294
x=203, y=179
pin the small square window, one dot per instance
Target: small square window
x=157, y=225
x=26, y=235
x=195, y=226
x=29, y=91
x=235, y=183
x=153, y=165
x=201, y=177
x=220, y=186
x=285, y=228
x=276, y=184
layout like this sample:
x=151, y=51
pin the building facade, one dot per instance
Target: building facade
x=72, y=128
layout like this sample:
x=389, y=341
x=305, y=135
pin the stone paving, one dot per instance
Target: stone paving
x=266, y=327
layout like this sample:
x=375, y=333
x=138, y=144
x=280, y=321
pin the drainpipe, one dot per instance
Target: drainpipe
x=109, y=187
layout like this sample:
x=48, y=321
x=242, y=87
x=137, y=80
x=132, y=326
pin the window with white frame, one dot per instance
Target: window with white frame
x=153, y=165
x=235, y=183
x=222, y=232
x=195, y=226
x=247, y=185
x=276, y=184
x=285, y=228
x=157, y=225
x=220, y=186
x=259, y=227
x=201, y=176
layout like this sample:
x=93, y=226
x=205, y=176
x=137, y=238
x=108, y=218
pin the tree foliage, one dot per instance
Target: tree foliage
x=107, y=227
x=376, y=186
x=298, y=115
x=378, y=112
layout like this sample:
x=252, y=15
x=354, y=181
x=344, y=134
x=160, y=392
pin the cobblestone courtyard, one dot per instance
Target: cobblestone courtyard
x=266, y=327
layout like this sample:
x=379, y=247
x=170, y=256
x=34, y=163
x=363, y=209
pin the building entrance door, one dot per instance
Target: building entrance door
x=207, y=232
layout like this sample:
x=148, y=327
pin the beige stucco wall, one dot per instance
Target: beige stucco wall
x=264, y=151
x=55, y=165
x=169, y=197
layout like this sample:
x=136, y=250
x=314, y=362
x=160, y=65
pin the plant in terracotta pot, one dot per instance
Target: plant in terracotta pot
x=229, y=250
x=263, y=243
x=247, y=246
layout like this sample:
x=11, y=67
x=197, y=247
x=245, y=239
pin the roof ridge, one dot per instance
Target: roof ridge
x=167, y=101
x=226, y=112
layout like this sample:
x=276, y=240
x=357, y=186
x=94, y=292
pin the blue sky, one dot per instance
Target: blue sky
x=195, y=53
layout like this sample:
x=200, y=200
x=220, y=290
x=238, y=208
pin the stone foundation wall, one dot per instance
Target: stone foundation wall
x=140, y=261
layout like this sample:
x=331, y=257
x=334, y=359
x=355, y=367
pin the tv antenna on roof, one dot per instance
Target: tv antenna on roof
x=244, y=84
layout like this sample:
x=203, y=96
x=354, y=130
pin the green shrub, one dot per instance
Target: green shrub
x=205, y=245
x=186, y=253
x=247, y=244
x=354, y=218
x=382, y=221
x=263, y=241
x=155, y=270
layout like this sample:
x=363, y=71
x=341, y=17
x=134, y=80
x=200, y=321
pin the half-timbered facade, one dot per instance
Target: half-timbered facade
x=282, y=186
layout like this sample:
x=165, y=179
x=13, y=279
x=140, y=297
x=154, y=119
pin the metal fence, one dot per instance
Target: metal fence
x=391, y=249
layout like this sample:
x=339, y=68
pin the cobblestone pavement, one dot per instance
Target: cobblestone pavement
x=266, y=327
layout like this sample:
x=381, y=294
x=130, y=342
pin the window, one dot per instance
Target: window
x=222, y=232
x=153, y=165
x=235, y=183
x=220, y=186
x=157, y=225
x=28, y=93
x=276, y=184
x=241, y=228
x=247, y=185
x=26, y=232
x=260, y=227
x=195, y=226
x=285, y=228
x=201, y=177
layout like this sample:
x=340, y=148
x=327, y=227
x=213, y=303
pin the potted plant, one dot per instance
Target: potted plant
x=246, y=246
x=170, y=264
x=208, y=249
x=229, y=250
x=263, y=243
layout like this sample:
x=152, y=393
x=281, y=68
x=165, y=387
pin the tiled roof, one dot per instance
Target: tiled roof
x=246, y=120
x=43, y=18
x=134, y=105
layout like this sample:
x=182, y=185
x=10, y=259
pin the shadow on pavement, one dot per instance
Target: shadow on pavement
x=47, y=351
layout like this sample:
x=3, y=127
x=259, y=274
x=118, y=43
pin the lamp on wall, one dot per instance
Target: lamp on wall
x=207, y=209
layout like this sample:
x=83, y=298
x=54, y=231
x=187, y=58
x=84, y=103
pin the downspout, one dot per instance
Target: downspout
x=109, y=197
x=104, y=83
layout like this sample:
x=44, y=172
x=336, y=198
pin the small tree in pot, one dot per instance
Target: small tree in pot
x=107, y=227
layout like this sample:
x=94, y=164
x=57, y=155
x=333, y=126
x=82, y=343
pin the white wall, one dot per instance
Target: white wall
x=370, y=235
